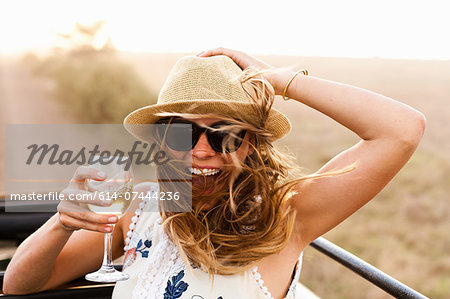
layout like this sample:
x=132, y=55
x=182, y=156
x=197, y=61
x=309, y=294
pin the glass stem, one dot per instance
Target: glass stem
x=107, y=255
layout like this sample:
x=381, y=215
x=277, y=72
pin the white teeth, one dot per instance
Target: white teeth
x=206, y=171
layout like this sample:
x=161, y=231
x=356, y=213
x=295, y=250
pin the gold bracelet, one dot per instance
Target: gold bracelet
x=304, y=73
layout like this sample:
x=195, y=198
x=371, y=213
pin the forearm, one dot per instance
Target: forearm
x=370, y=115
x=32, y=264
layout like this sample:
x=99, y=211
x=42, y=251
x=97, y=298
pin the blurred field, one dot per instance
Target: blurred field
x=404, y=231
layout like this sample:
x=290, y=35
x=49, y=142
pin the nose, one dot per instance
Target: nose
x=202, y=149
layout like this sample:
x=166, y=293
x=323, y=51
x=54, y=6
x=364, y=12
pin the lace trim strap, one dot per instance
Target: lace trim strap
x=133, y=224
x=260, y=283
x=292, y=286
x=137, y=213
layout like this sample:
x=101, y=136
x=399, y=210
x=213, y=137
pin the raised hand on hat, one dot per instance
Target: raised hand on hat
x=240, y=58
x=276, y=77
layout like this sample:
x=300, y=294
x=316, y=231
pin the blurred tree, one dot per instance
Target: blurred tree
x=91, y=82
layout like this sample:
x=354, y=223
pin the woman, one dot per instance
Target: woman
x=250, y=223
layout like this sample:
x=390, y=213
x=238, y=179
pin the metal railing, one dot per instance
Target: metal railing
x=18, y=225
x=365, y=270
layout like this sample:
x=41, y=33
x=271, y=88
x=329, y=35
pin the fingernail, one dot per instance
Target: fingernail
x=112, y=219
x=108, y=229
x=101, y=174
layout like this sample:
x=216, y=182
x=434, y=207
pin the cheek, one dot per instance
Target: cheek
x=245, y=150
x=242, y=153
x=177, y=155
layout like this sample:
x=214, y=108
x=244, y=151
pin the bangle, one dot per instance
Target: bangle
x=304, y=73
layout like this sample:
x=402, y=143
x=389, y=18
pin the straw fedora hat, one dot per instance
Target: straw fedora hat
x=200, y=85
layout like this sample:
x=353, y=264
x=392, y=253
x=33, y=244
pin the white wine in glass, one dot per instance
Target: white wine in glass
x=117, y=187
x=120, y=198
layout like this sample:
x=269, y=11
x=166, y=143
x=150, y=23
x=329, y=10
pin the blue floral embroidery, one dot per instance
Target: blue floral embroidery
x=175, y=288
x=141, y=249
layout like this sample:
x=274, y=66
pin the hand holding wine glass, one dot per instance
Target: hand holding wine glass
x=96, y=197
x=116, y=188
x=73, y=211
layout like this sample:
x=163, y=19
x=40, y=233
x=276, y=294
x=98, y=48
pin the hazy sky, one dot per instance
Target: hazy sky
x=351, y=28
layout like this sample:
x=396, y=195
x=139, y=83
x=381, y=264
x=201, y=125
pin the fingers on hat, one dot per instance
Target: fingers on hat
x=216, y=51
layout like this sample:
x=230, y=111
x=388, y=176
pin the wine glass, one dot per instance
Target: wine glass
x=117, y=187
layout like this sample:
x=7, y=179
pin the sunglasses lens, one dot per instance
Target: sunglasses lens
x=228, y=140
x=177, y=135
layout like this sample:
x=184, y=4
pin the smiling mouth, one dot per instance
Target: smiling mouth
x=203, y=171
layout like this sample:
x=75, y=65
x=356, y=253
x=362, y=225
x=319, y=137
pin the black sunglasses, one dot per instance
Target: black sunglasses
x=174, y=132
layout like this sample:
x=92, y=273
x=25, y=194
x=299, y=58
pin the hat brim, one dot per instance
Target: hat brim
x=277, y=123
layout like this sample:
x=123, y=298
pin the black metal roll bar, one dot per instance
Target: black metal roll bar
x=365, y=270
x=79, y=288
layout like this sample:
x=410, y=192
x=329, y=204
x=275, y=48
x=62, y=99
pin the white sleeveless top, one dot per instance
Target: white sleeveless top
x=157, y=270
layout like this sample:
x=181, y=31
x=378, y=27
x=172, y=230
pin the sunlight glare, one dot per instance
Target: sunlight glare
x=351, y=28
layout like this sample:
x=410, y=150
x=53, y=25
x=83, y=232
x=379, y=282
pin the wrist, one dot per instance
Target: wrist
x=60, y=227
x=278, y=79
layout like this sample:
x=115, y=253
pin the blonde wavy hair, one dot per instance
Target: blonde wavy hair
x=252, y=217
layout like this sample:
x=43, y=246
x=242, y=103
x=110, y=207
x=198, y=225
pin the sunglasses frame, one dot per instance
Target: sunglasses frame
x=198, y=130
